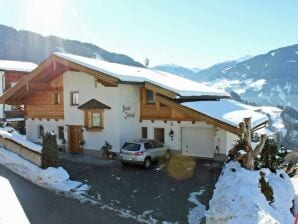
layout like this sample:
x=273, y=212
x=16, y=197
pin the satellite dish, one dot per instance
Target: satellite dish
x=147, y=62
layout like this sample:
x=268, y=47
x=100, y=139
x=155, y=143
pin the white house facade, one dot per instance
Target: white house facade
x=87, y=102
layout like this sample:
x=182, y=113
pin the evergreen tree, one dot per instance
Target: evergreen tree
x=269, y=157
x=49, y=152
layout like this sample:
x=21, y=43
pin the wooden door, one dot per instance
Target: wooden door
x=74, y=139
x=159, y=134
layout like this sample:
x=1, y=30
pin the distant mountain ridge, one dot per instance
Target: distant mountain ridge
x=176, y=69
x=270, y=79
x=29, y=46
x=267, y=79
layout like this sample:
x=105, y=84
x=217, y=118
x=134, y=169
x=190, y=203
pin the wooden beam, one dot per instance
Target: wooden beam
x=198, y=115
x=23, y=82
x=105, y=79
x=36, y=86
x=160, y=90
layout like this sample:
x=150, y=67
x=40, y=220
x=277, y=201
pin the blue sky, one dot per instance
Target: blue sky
x=191, y=33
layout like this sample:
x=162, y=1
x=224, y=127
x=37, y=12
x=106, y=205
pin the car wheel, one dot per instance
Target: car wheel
x=147, y=163
x=167, y=155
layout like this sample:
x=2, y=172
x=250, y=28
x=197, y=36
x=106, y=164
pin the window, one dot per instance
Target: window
x=56, y=98
x=94, y=119
x=61, y=132
x=158, y=144
x=144, y=132
x=74, y=98
x=40, y=131
x=131, y=147
x=149, y=96
x=148, y=145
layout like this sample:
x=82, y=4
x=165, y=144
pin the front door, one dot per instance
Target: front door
x=159, y=134
x=74, y=139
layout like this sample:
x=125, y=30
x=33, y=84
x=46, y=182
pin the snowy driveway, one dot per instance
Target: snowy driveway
x=154, y=194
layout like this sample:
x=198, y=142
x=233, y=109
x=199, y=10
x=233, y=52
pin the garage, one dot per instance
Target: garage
x=197, y=142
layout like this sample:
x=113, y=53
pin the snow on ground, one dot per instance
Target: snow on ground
x=11, y=134
x=237, y=197
x=56, y=179
x=197, y=213
x=11, y=210
x=295, y=184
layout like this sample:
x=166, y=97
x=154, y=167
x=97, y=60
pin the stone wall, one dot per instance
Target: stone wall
x=22, y=151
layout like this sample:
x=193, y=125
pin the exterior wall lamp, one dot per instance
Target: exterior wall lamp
x=171, y=134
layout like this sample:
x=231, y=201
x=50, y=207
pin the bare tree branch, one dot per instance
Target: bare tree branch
x=260, y=146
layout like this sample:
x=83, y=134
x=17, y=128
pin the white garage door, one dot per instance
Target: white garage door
x=198, y=142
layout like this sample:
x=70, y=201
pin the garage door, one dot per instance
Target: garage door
x=198, y=142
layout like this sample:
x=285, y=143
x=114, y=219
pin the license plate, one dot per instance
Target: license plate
x=127, y=158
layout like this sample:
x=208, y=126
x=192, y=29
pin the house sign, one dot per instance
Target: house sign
x=128, y=113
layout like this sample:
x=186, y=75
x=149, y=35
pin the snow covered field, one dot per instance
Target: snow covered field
x=238, y=198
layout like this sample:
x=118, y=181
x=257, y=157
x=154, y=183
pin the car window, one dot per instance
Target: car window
x=158, y=144
x=148, y=145
x=131, y=147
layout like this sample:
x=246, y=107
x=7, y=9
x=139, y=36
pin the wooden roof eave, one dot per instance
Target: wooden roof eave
x=101, y=77
x=10, y=94
x=6, y=97
x=198, y=115
x=160, y=90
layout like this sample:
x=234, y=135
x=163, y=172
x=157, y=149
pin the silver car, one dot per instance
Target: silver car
x=143, y=152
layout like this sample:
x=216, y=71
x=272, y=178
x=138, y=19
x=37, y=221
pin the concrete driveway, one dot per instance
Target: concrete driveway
x=160, y=193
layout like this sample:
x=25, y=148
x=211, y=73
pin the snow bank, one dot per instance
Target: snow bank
x=295, y=184
x=11, y=210
x=198, y=212
x=238, y=198
x=56, y=179
x=10, y=133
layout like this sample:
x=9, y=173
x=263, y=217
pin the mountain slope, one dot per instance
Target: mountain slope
x=28, y=46
x=178, y=70
x=270, y=78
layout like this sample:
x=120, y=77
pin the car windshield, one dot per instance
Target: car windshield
x=131, y=147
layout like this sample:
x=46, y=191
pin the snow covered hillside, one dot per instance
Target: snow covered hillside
x=238, y=198
x=269, y=79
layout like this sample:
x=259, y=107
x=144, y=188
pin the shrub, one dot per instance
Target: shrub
x=49, y=152
x=266, y=189
x=290, y=170
x=105, y=151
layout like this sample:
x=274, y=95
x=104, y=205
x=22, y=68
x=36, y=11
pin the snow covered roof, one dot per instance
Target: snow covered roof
x=19, y=66
x=125, y=73
x=228, y=111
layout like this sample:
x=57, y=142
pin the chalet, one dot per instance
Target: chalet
x=88, y=101
x=10, y=73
